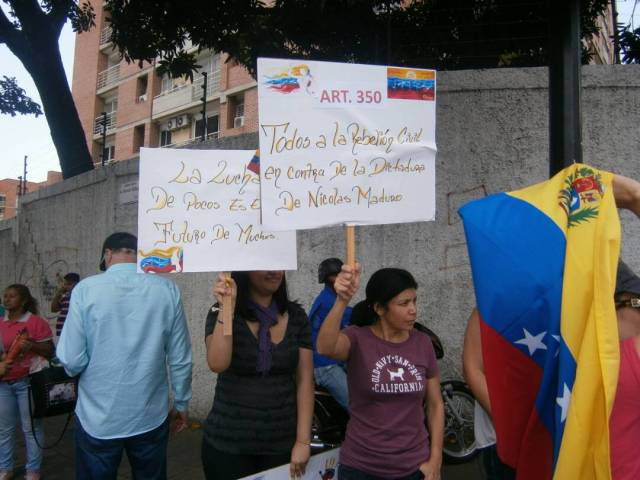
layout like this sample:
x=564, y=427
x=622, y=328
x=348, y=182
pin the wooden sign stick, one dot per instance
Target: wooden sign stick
x=351, y=245
x=226, y=317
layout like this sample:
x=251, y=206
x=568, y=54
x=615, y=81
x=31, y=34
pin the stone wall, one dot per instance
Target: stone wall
x=492, y=136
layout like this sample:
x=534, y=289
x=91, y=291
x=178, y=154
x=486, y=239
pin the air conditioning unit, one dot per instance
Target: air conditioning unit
x=178, y=122
x=238, y=122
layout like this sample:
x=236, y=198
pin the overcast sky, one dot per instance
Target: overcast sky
x=27, y=135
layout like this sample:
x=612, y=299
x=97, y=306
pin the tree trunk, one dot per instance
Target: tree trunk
x=43, y=62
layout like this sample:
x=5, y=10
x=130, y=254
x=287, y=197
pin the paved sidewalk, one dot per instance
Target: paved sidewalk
x=184, y=456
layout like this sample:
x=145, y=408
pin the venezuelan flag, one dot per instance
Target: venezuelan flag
x=544, y=264
x=254, y=164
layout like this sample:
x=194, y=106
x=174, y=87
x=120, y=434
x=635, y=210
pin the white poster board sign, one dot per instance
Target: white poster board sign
x=323, y=466
x=345, y=143
x=199, y=211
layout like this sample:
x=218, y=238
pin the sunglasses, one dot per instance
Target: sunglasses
x=630, y=302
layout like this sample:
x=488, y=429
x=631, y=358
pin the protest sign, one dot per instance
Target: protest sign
x=199, y=211
x=323, y=466
x=345, y=143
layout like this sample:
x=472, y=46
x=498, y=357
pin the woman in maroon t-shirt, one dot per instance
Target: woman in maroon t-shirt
x=392, y=375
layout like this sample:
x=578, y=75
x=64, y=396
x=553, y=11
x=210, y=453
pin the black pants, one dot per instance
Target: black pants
x=349, y=473
x=220, y=465
x=494, y=469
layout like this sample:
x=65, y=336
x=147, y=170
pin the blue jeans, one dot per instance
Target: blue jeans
x=98, y=459
x=14, y=404
x=334, y=379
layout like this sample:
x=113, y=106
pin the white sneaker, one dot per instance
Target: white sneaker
x=31, y=476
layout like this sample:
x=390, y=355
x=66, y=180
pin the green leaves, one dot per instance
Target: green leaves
x=445, y=34
x=14, y=100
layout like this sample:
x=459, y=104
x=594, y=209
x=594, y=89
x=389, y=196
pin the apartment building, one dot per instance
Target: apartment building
x=10, y=192
x=600, y=46
x=123, y=106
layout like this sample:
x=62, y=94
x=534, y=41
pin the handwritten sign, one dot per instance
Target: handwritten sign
x=323, y=466
x=345, y=143
x=199, y=211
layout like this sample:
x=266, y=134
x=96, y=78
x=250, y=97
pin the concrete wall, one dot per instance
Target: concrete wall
x=492, y=136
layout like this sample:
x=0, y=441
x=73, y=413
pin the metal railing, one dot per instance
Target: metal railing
x=105, y=36
x=111, y=123
x=186, y=94
x=108, y=77
x=191, y=141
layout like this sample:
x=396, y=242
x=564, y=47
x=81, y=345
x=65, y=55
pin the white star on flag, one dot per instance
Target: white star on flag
x=532, y=342
x=564, y=401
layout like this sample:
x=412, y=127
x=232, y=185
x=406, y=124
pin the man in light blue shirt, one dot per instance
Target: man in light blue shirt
x=126, y=336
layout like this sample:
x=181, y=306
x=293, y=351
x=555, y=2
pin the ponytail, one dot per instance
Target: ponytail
x=363, y=314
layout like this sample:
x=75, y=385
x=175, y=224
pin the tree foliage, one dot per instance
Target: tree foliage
x=445, y=34
x=629, y=43
x=31, y=30
x=14, y=100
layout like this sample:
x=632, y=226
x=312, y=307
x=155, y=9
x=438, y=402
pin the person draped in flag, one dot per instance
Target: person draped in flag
x=392, y=376
x=624, y=423
x=542, y=354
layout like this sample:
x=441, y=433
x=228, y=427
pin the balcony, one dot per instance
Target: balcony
x=108, y=77
x=191, y=141
x=105, y=36
x=111, y=123
x=186, y=94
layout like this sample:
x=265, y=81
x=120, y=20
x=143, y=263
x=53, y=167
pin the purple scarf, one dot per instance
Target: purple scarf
x=267, y=317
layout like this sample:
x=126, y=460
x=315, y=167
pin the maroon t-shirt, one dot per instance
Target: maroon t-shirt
x=386, y=434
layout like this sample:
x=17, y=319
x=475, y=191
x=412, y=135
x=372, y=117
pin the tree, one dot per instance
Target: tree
x=31, y=29
x=445, y=34
x=629, y=43
x=14, y=99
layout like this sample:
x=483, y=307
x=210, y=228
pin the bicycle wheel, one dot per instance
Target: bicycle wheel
x=459, y=444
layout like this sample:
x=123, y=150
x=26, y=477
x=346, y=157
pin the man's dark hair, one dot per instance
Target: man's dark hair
x=72, y=277
x=118, y=241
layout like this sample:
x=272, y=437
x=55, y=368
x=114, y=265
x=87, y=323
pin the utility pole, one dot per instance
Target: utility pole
x=24, y=177
x=20, y=186
x=104, y=138
x=565, y=135
x=204, y=107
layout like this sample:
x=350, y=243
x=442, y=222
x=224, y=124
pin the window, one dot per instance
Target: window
x=141, y=88
x=109, y=152
x=235, y=107
x=240, y=109
x=209, y=63
x=166, y=84
x=111, y=105
x=165, y=138
x=212, y=126
x=138, y=138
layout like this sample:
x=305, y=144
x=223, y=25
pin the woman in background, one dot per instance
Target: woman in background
x=21, y=314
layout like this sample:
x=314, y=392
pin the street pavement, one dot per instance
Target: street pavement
x=183, y=456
